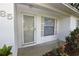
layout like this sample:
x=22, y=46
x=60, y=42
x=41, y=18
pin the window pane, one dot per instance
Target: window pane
x=48, y=22
x=48, y=30
x=47, y=26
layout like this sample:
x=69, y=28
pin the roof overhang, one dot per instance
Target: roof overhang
x=63, y=8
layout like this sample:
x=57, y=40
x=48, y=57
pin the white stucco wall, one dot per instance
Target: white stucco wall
x=73, y=22
x=64, y=28
x=66, y=25
x=7, y=27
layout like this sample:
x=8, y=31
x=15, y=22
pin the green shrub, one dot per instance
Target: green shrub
x=73, y=39
x=5, y=50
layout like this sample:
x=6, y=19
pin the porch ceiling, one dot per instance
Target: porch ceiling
x=53, y=11
x=58, y=9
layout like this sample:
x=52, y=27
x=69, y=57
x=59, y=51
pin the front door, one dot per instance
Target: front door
x=28, y=29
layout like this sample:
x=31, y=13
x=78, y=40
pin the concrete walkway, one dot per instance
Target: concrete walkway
x=37, y=50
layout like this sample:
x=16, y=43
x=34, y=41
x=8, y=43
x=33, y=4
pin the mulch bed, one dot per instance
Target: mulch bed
x=71, y=53
x=74, y=53
x=56, y=52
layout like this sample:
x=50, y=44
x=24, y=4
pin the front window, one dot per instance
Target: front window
x=47, y=26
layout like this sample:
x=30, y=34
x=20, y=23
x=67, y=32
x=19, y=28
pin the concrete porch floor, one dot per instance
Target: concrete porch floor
x=37, y=50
